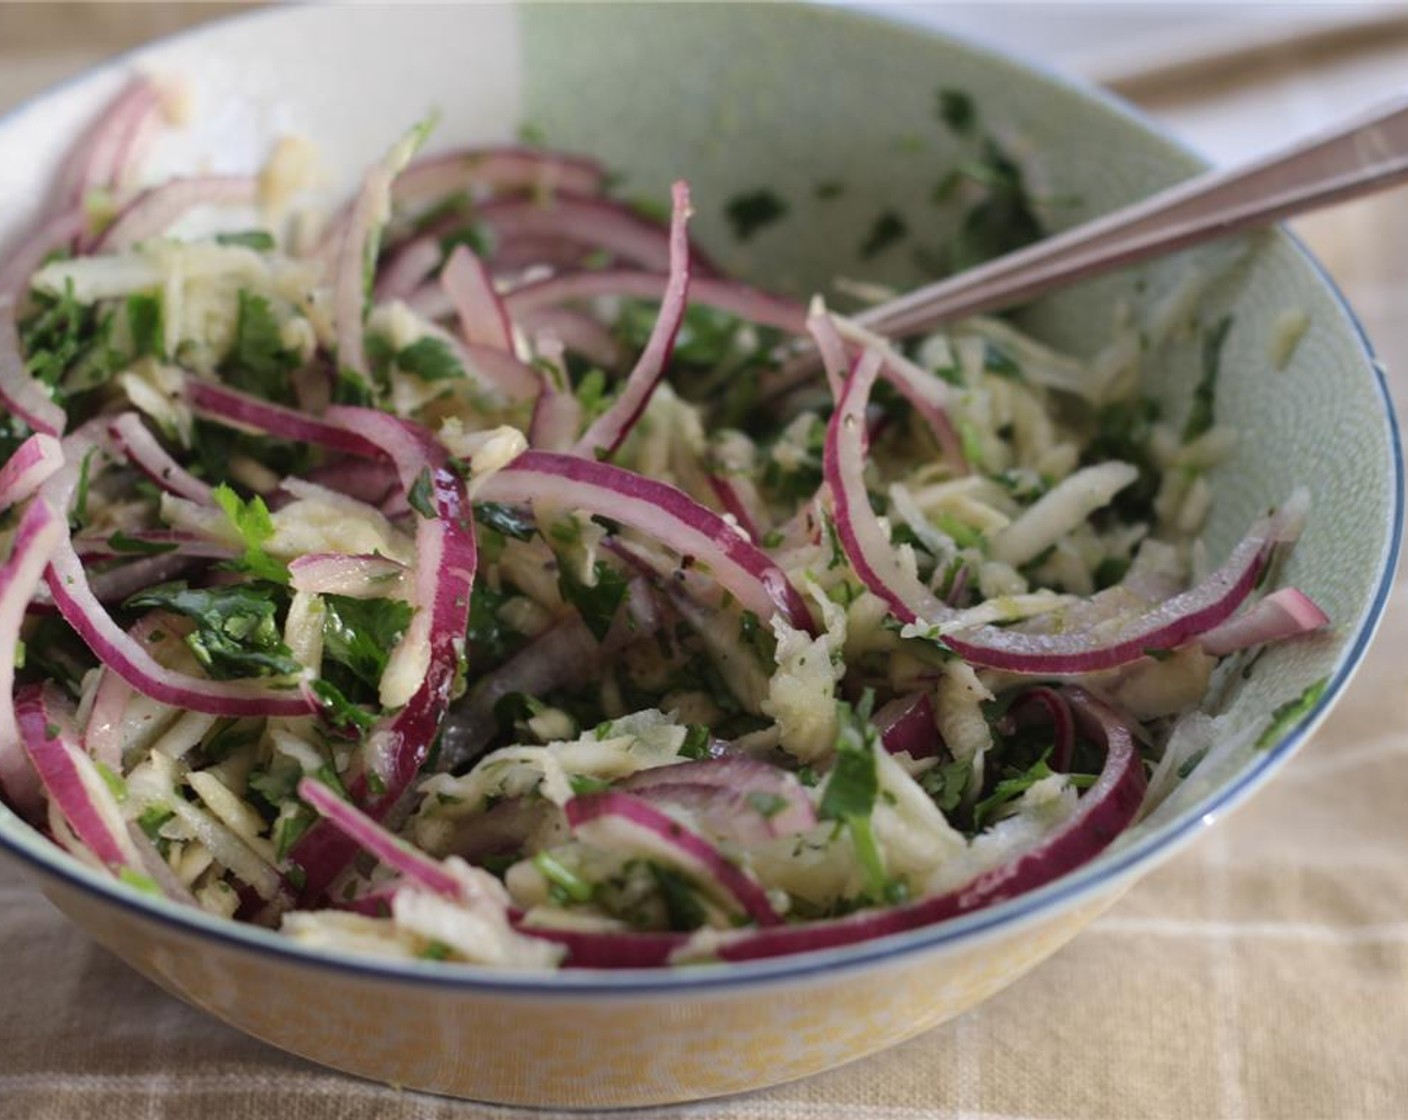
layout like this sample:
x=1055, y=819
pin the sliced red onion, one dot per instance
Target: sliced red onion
x=368, y=480
x=595, y=222
x=357, y=240
x=734, y=505
x=1165, y=626
x=618, y=821
x=71, y=781
x=515, y=380
x=171, y=541
x=240, y=410
x=609, y=949
x=136, y=442
x=118, y=584
x=446, y=558
x=154, y=211
x=483, y=320
x=503, y=829
x=607, y=431
x=498, y=171
x=101, y=155
x=578, y=332
x=408, y=270
x=335, y=573
x=832, y=349
x=21, y=262
x=24, y=472
x=1049, y=705
x=661, y=512
x=1103, y=812
x=790, y=810
x=557, y=418
x=39, y=534
x=387, y=847
x=906, y=726
x=103, y=733
x=747, y=303
x=1282, y=614
x=68, y=584
x=22, y=394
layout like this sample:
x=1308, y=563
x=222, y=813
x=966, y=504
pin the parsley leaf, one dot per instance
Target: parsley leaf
x=361, y=633
x=490, y=640
x=1290, y=713
x=430, y=359
x=257, y=362
x=121, y=542
x=889, y=227
x=1200, y=418
x=596, y=603
x=252, y=521
x=261, y=241
x=144, y=322
x=755, y=210
x=956, y=110
x=340, y=712
x=236, y=634
x=508, y=520
x=421, y=496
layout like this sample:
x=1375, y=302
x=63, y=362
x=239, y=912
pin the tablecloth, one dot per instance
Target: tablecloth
x=1262, y=972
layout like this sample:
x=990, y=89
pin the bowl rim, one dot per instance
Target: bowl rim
x=1108, y=871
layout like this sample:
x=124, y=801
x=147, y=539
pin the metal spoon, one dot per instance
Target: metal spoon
x=1368, y=153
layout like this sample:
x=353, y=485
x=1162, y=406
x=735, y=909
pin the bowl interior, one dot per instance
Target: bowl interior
x=738, y=98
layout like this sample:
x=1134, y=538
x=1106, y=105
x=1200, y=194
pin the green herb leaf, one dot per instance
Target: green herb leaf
x=252, y=522
x=236, y=634
x=508, y=520
x=261, y=241
x=696, y=742
x=340, y=712
x=1200, y=418
x=570, y=887
x=121, y=542
x=361, y=633
x=430, y=359
x=956, y=110
x=889, y=228
x=751, y=212
x=682, y=907
x=144, y=321
x=597, y=603
x=1290, y=713
x=947, y=783
x=421, y=497
x=257, y=362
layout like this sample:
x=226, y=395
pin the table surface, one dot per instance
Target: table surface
x=1263, y=972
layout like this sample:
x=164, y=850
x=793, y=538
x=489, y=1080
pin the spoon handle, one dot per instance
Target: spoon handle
x=1367, y=154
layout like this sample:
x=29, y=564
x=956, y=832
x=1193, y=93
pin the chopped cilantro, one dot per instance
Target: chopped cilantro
x=682, y=908
x=340, y=712
x=947, y=783
x=1290, y=713
x=152, y=819
x=144, y=321
x=748, y=213
x=79, y=517
x=511, y=521
x=1200, y=418
x=261, y=241
x=112, y=780
x=596, y=603
x=121, y=542
x=696, y=742
x=252, y=522
x=430, y=359
x=956, y=110
x=889, y=227
x=361, y=633
x=421, y=496
x=490, y=640
x=564, y=884
x=257, y=361
x=236, y=634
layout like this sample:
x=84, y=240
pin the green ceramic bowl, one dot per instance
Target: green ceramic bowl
x=736, y=98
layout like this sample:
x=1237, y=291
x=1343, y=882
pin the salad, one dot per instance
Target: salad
x=479, y=574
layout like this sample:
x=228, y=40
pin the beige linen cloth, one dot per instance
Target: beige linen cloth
x=1262, y=972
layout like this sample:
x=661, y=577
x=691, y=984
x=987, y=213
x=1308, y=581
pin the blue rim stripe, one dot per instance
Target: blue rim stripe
x=1085, y=883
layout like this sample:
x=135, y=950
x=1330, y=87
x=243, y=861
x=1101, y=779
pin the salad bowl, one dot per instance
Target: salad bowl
x=848, y=125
